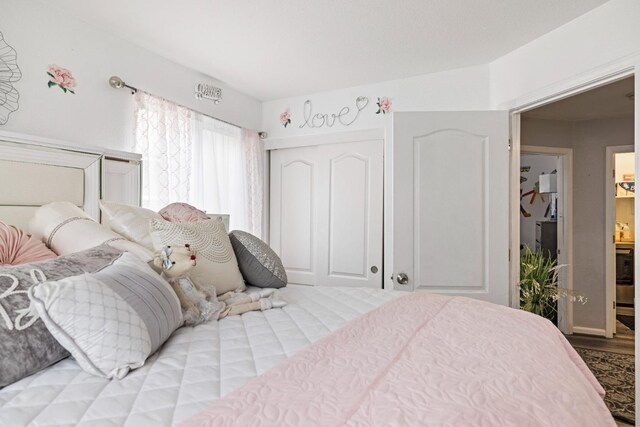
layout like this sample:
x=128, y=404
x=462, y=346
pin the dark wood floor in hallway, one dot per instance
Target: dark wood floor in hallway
x=623, y=341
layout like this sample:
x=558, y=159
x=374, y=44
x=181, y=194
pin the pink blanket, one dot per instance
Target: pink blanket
x=424, y=360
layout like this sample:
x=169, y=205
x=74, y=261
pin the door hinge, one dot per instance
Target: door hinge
x=509, y=145
x=509, y=254
x=614, y=173
x=613, y=239
x=614, y=305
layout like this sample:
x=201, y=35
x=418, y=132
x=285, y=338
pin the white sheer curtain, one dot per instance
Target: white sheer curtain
x=193, y=158
x=164, y=137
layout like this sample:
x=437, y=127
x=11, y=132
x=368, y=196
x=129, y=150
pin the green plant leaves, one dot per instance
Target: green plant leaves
x=538, y=284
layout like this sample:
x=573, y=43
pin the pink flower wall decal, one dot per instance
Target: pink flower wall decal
x=285, y=117
x=62, y=78
x=384, y=105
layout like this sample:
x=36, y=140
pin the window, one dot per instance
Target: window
x=193, y=158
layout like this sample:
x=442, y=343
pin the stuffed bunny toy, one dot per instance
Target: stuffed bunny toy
x=200, y=303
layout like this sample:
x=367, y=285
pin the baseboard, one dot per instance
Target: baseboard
x=589, y=331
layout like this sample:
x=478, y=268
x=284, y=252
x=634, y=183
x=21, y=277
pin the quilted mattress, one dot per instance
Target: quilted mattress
x=195, y=367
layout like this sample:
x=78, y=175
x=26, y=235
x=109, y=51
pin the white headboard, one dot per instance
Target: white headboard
x=35, y=171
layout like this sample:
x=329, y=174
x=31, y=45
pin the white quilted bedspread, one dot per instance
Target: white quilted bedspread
x=193, y=369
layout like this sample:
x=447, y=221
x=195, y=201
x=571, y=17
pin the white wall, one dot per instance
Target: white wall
x=538, y=164
x=590, y=139
x=605, y=34
x=595, y=39
x=461, y=89
x=97, y=114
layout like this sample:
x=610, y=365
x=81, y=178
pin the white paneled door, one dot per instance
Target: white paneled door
x=326, y=213
x=451, y=203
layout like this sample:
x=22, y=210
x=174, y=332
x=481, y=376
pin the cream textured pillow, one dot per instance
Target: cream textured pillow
x=216, y=262
x=131, y=222
x=112, y=320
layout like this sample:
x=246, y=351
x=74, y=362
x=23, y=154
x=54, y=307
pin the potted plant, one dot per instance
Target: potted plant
x=539, y=290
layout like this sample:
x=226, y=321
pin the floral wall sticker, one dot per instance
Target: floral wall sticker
x=9, y=74
x=285, y=118
x=384, y=105
x=61, y=77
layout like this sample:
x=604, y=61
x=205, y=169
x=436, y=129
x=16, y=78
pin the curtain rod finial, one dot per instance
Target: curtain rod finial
x=263, y=135
x=116, y=82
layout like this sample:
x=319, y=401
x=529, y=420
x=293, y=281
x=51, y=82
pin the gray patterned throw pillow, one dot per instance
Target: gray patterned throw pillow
x=259, y=264
x=26, y=346
x=111, y=320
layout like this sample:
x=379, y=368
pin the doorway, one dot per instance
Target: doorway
x=620, y=218
x=588, y=123
x=546, y=202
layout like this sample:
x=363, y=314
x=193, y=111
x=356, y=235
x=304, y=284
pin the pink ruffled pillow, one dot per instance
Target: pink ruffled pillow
x=17, y=247
x=182, y=212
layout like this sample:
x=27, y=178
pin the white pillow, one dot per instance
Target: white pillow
x=65, y=229
x=130, y=221
x=112, y=320
x=216, y=264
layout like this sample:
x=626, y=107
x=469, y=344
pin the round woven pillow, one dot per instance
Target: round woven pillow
x=17, y=247
x=182, y=212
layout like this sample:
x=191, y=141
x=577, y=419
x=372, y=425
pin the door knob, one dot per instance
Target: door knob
x=402, y=279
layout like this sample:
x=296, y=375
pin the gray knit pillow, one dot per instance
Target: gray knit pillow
x=259, y=264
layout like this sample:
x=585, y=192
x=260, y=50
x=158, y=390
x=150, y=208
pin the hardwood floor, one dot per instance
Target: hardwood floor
x=623, y=341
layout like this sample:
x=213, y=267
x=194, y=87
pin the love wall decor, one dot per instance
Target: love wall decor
x=344, y=116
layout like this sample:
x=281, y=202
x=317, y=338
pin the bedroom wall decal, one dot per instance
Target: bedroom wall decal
x=9, y=74
x=285, y=118
x=384, y=105
x=61, y=77
x=325, y=119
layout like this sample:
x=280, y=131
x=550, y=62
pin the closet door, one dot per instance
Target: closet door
x=293, y=218
x=350, y=214
x=326, y=213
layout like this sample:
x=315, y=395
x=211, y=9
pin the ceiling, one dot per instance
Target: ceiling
x=279, y=48
x=611, y=100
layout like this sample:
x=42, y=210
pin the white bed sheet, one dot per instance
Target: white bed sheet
x=193, y=369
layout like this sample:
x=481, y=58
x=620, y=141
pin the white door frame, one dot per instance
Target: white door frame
x=565, y=236
x=609, y=230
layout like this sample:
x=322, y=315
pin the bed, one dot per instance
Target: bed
x=373, y=357
x=194, y=368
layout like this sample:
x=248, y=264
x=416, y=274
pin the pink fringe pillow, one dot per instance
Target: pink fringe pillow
x=182, y=212
x=17, y=247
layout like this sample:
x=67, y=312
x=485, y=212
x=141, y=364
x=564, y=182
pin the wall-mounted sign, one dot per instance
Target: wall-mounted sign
x=344, y=117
